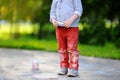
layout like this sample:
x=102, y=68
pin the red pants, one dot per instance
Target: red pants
x=67, y=47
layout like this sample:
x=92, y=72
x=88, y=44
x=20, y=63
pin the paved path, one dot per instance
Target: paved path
x=16, y=65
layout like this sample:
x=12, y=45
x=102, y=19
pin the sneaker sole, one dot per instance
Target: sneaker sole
x=62, y=73
x=72, y=75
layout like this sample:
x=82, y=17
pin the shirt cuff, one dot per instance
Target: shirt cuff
x=78, y=13
x=52, y=17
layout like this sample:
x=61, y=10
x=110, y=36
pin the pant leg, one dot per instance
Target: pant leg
x=62, y=47
x=72, y=43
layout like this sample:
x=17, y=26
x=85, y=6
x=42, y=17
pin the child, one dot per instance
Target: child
x=65, y=16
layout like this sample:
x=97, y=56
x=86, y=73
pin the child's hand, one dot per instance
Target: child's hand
x=54, y=22
x=68, y=23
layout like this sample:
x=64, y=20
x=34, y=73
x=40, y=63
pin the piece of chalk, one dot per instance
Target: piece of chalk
x=60, y=22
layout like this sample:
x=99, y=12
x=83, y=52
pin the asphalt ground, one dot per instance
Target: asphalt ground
x=16, y=64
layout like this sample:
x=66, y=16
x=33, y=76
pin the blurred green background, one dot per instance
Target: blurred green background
x=24, y=24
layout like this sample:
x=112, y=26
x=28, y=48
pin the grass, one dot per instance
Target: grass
x=108, y=51
x=29, y=43
x=32, y=43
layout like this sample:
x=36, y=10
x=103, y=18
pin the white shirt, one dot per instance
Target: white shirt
x=61, y=10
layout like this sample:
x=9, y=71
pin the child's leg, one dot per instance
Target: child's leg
x=72, y=43
x=62, y=47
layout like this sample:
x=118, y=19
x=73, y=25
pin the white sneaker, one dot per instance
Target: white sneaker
x=72, y=73
x=63, y=71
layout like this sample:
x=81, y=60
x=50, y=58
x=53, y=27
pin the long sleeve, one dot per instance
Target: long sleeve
x=52, y=10
x=78, y=7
